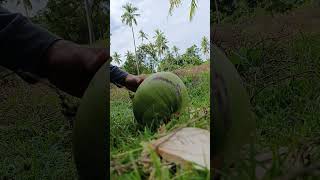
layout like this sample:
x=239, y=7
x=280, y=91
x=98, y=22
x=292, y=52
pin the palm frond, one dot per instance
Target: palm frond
x=129, y=15
x=173, y=4
x=193, y=8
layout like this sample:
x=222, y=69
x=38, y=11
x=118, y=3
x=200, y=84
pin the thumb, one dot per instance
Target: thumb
x=142, y=77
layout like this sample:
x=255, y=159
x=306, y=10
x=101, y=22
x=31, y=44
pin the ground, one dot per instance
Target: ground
x=278, y=58
x=280, y=73
x=126, y=140
x=35, y=141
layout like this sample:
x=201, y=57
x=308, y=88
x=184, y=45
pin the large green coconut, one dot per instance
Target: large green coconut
x=159, y=96
x=90, y=129
x=234, y=121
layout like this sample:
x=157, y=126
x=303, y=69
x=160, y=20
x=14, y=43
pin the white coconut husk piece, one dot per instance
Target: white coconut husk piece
x=185, y=146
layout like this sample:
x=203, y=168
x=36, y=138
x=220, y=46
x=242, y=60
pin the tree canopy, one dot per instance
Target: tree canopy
x=67, y=19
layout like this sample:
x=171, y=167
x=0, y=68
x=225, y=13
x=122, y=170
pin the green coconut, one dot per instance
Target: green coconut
x=90, y=129
x=160, y=96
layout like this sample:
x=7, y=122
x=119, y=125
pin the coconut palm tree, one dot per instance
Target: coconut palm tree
x=160, y=42
x=129, y=18
x=175, y=49
x=205, y=46
x=176, y=3
x=150, y=49
x=27, y=5
x=116, y=57
x=142, y=36
x=129, y=63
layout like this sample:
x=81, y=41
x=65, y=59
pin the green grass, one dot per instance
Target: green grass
x=35, y=140
x=283, y=79
x=126, y=139
x=35, y=137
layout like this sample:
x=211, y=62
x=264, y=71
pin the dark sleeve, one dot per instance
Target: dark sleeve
x=23, y=44
x=117, y=76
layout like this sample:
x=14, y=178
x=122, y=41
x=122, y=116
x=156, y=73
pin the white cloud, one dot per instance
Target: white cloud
x=154, y=14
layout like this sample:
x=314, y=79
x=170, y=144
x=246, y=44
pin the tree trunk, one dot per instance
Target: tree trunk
x=89, y=22
x=135, y=50
x=91, y=17
x=217, y=10
x=26, y=9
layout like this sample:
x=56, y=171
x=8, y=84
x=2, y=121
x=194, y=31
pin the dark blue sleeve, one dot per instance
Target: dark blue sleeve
x=117, y=76
x=23, y=44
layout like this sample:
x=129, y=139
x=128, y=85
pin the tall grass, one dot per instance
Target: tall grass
x=282, y=78
x=126, y=141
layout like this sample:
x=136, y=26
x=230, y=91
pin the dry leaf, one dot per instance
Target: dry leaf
x=162, y=129
x=184, y=146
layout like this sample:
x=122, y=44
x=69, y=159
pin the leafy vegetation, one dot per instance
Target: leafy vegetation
x=231, y=10
x=36, y=121
x=36, y=138
x=126, y=140
x=153, y=54
x=280, y=73
x=129, y=18
x=158, y=56
x=67, y=18
x=176, y=3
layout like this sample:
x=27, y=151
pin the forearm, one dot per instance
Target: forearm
x=117, y=76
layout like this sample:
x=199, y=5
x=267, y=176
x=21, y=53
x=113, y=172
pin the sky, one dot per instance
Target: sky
x=154, y=15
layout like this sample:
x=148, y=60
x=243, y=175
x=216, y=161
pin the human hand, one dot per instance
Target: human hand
x=71, y=67
x=132, y=82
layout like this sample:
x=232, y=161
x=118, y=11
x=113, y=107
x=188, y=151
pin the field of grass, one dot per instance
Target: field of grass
x=126, y=141
x=36, y=141
x=281, y=74
x=35, y=133
x=35, y=137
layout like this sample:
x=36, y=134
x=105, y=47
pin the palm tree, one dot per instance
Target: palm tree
x=142, y=35
x=205, y=46
x=89, y=21
x=116, y=57
x=129, y=18
x=176, y=3
x=175, y=49
x=161, y=42
x=129, y=63
x=27, y=5
x=151, y=50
